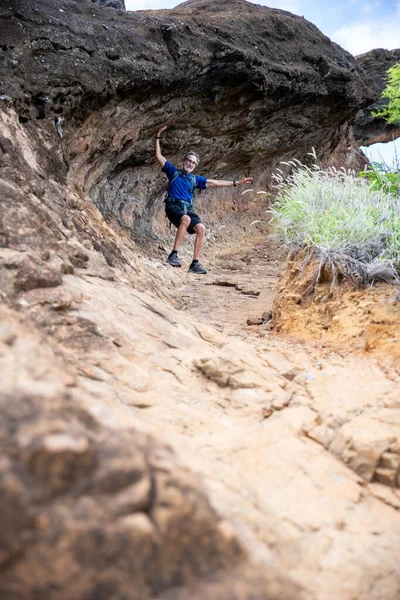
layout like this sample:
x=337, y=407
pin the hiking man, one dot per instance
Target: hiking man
x=179, y=202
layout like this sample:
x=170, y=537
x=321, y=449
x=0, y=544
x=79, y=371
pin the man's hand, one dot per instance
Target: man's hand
x=159, y=132
x=244, y=181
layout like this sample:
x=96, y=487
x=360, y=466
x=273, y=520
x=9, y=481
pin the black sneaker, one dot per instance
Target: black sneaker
x=197, y=268
x=174, y=260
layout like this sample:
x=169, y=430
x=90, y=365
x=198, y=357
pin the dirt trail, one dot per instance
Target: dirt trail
x=239, y=287
x=301, y=448
x=298, y=446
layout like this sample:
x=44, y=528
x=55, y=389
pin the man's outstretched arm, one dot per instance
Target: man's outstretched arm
x=230, y=183
x=157, y=149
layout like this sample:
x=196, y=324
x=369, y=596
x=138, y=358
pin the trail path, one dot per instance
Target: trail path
x=299, y=446
x=239, y=287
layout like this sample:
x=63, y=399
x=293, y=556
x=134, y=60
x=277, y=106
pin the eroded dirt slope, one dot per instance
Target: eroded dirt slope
x=297, y=447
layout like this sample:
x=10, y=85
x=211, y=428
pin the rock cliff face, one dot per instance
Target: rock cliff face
x=243, y=85
x=369, y=130
x=95, y=368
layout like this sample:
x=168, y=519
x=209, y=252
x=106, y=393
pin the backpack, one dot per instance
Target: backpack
x=185, y=205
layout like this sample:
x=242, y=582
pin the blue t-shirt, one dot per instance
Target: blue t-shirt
x=181, y=187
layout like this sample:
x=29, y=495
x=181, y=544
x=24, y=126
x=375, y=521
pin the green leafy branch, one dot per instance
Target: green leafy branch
x=391, y=113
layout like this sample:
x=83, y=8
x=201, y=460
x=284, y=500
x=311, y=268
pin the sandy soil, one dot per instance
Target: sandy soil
x=273, y=467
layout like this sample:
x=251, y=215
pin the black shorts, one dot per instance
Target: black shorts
x=175, y=214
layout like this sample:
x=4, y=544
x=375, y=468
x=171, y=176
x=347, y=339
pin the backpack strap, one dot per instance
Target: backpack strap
x=192, y=179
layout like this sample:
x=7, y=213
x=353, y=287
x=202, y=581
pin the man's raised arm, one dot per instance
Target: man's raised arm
x=230, y=183
x=157, y=149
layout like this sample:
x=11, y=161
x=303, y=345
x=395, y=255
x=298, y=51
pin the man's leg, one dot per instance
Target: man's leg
x=173, y=259
x=199, y=241
x=200, y=232
x=181, y=232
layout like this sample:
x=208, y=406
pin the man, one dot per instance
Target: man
x=179, y=203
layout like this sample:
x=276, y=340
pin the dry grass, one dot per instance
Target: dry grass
x=351, y=227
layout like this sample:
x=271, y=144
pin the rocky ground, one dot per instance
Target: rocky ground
x=165, y=435
x=296, y=446
x=303, y=438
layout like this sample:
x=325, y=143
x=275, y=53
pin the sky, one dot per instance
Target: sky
x=356, y=25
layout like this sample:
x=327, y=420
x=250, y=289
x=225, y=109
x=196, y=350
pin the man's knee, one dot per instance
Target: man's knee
x=200, y=229
x=185, y=220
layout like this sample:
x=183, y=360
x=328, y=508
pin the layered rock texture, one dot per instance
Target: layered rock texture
x=372, y=130
x=149, y=453
x=244, y=86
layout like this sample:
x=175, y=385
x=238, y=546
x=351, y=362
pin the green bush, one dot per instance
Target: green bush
x=352, y=226
x=392, y=91
x=382, y=177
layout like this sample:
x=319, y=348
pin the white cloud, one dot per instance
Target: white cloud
x=388, y=153
x=364, y=36
x=375, y=31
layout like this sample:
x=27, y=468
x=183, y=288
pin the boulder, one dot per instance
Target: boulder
x=372, y=130
x=245, y=86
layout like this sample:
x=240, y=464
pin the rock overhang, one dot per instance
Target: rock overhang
x=245, y=85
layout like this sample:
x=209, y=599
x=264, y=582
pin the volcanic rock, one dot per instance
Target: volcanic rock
x=372, y=130
x=244, y=85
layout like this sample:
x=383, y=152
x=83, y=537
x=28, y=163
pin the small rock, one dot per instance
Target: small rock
x=216, y=369
x=7, y=335
x=266, y=412
x=79, y=258
x=321, y=434
x=254, y=321
x=390, y=461
x=393, y=402
x=281, y=399
x=291, y=374
x=224, y=283
x=209, y=334
x=58, y=299
x=386, y=476
x=67, y=269
x=30, y=277
x=361, y=442
x=227, y=531
x=267, y=316
x=46, y=255
x=59, y=459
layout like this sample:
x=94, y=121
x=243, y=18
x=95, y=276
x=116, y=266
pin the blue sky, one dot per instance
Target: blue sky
x=356, y=25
